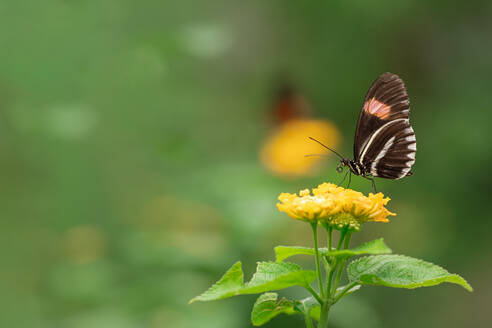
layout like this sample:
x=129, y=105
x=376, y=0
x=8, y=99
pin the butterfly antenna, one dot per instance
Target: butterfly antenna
x=341, y=157
x=312, y=155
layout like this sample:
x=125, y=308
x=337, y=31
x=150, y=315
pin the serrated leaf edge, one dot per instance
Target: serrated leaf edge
x=245, y=288
x=271, y=297
x=236, y=266
x=461, y=281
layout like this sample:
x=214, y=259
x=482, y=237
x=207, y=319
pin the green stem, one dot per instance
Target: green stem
x=315, y=295
x=342, y=264
x=347, y=240
x=343, y=233
x=323, y=318
x=335, y=264
x=329, y=229
x=314, y=225
x=327, y=260
x=344, y=291
x=307, y=319
x=330, y=278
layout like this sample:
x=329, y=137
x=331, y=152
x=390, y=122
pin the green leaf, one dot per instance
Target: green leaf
x=284, y=252
x=350, y=291
x=309, y=302
x=269, y=276
x=372, y=247
x=267, y=306
x=315, y=312
x=274, y=276
x=310, y=305
x=230, y=283
x=401, y=272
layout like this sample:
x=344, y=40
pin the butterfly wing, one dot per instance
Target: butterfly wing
x=384, y=139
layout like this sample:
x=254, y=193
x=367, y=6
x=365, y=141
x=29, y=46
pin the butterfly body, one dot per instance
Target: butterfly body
x=355, y=167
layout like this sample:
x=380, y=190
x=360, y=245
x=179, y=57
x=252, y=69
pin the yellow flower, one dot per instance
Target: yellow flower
x=284, y=152
x=339, y=207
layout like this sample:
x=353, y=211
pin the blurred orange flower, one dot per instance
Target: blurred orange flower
x=284, y=152
x=339, y=207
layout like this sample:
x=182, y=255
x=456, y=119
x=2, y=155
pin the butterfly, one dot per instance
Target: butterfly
x=384, y=144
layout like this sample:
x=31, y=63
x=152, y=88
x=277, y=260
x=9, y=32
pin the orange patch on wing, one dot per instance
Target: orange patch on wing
x=377, y=108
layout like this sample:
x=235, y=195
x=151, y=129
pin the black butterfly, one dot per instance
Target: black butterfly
x=384, y=144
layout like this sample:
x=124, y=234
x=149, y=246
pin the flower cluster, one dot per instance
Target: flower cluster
x=336, y=206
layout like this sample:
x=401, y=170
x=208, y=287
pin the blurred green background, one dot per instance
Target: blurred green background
x=129, y=139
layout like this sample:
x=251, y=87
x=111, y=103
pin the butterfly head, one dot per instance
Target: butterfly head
x=343, y=162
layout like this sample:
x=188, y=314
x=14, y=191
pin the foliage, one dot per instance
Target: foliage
x=267, y=306
x=401, y=272
x=319, y=208
x=396, y=271
x=376, y=246
x=269, y=276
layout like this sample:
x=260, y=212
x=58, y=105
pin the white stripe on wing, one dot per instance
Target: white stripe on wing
x=373, y=136
x=381, y=154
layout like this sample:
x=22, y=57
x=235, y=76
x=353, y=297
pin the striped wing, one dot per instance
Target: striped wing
x=384, y=139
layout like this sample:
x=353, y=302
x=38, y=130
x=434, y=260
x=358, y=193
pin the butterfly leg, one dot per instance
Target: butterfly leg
x=373, y=184
x=350, y=179
x=344, y=177
x=370, y=177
